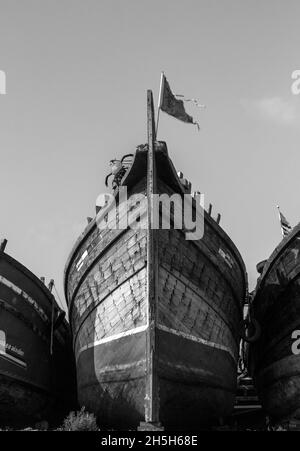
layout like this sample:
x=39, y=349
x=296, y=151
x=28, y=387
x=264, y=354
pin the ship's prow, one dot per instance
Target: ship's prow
x=156, y=318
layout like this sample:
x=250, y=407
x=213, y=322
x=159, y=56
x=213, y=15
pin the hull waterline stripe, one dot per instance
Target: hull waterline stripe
x=13, y=359
x=164, y=329
x=25, y=296
x=113, y=338
x=197, y=339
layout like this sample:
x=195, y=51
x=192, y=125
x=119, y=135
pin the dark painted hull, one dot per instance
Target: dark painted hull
x=192, y=379
x=276, y=306
x=35, y=385
x=200, y=298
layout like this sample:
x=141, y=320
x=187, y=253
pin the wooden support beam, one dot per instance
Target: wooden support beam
x=3, y=244
x=151, y=398
x=50, y=288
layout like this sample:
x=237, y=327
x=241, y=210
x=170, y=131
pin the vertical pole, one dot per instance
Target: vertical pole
x=52, y=328
x=161, y=88
x=151, y=399
x=50, y=287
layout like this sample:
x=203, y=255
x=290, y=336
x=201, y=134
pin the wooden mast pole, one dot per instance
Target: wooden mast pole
x=50, y=287
x=161, y=88
x=151, y=399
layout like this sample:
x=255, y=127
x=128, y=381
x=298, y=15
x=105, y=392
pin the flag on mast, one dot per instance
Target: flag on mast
x=170, y=104
x=285, y=225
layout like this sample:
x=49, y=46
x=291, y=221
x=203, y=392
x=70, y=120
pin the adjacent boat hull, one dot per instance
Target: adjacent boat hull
x=201, y=288
x=276, y=306
x=35, y=384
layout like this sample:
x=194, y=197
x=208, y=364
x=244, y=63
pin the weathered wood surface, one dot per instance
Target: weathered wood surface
x=152, y=386
x=200, y=296
x=276, y=306
x=96, y=241
x=27, y=369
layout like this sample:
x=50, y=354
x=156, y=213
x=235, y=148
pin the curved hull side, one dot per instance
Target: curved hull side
x=111, y=380
x=199, y=313
x=197, y=382
x=276, y=306
x=276, y=369
x=22, y=404
x=35, y=384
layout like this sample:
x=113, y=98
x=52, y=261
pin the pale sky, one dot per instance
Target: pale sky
x=77, y=75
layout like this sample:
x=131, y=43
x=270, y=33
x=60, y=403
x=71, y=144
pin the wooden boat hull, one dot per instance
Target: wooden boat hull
x=34, y=384
x=192, y=379
x=276, y=306
x=201, y=290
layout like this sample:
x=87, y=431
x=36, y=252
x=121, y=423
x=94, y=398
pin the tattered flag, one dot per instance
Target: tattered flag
x=285, y=225
x=171, y=105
